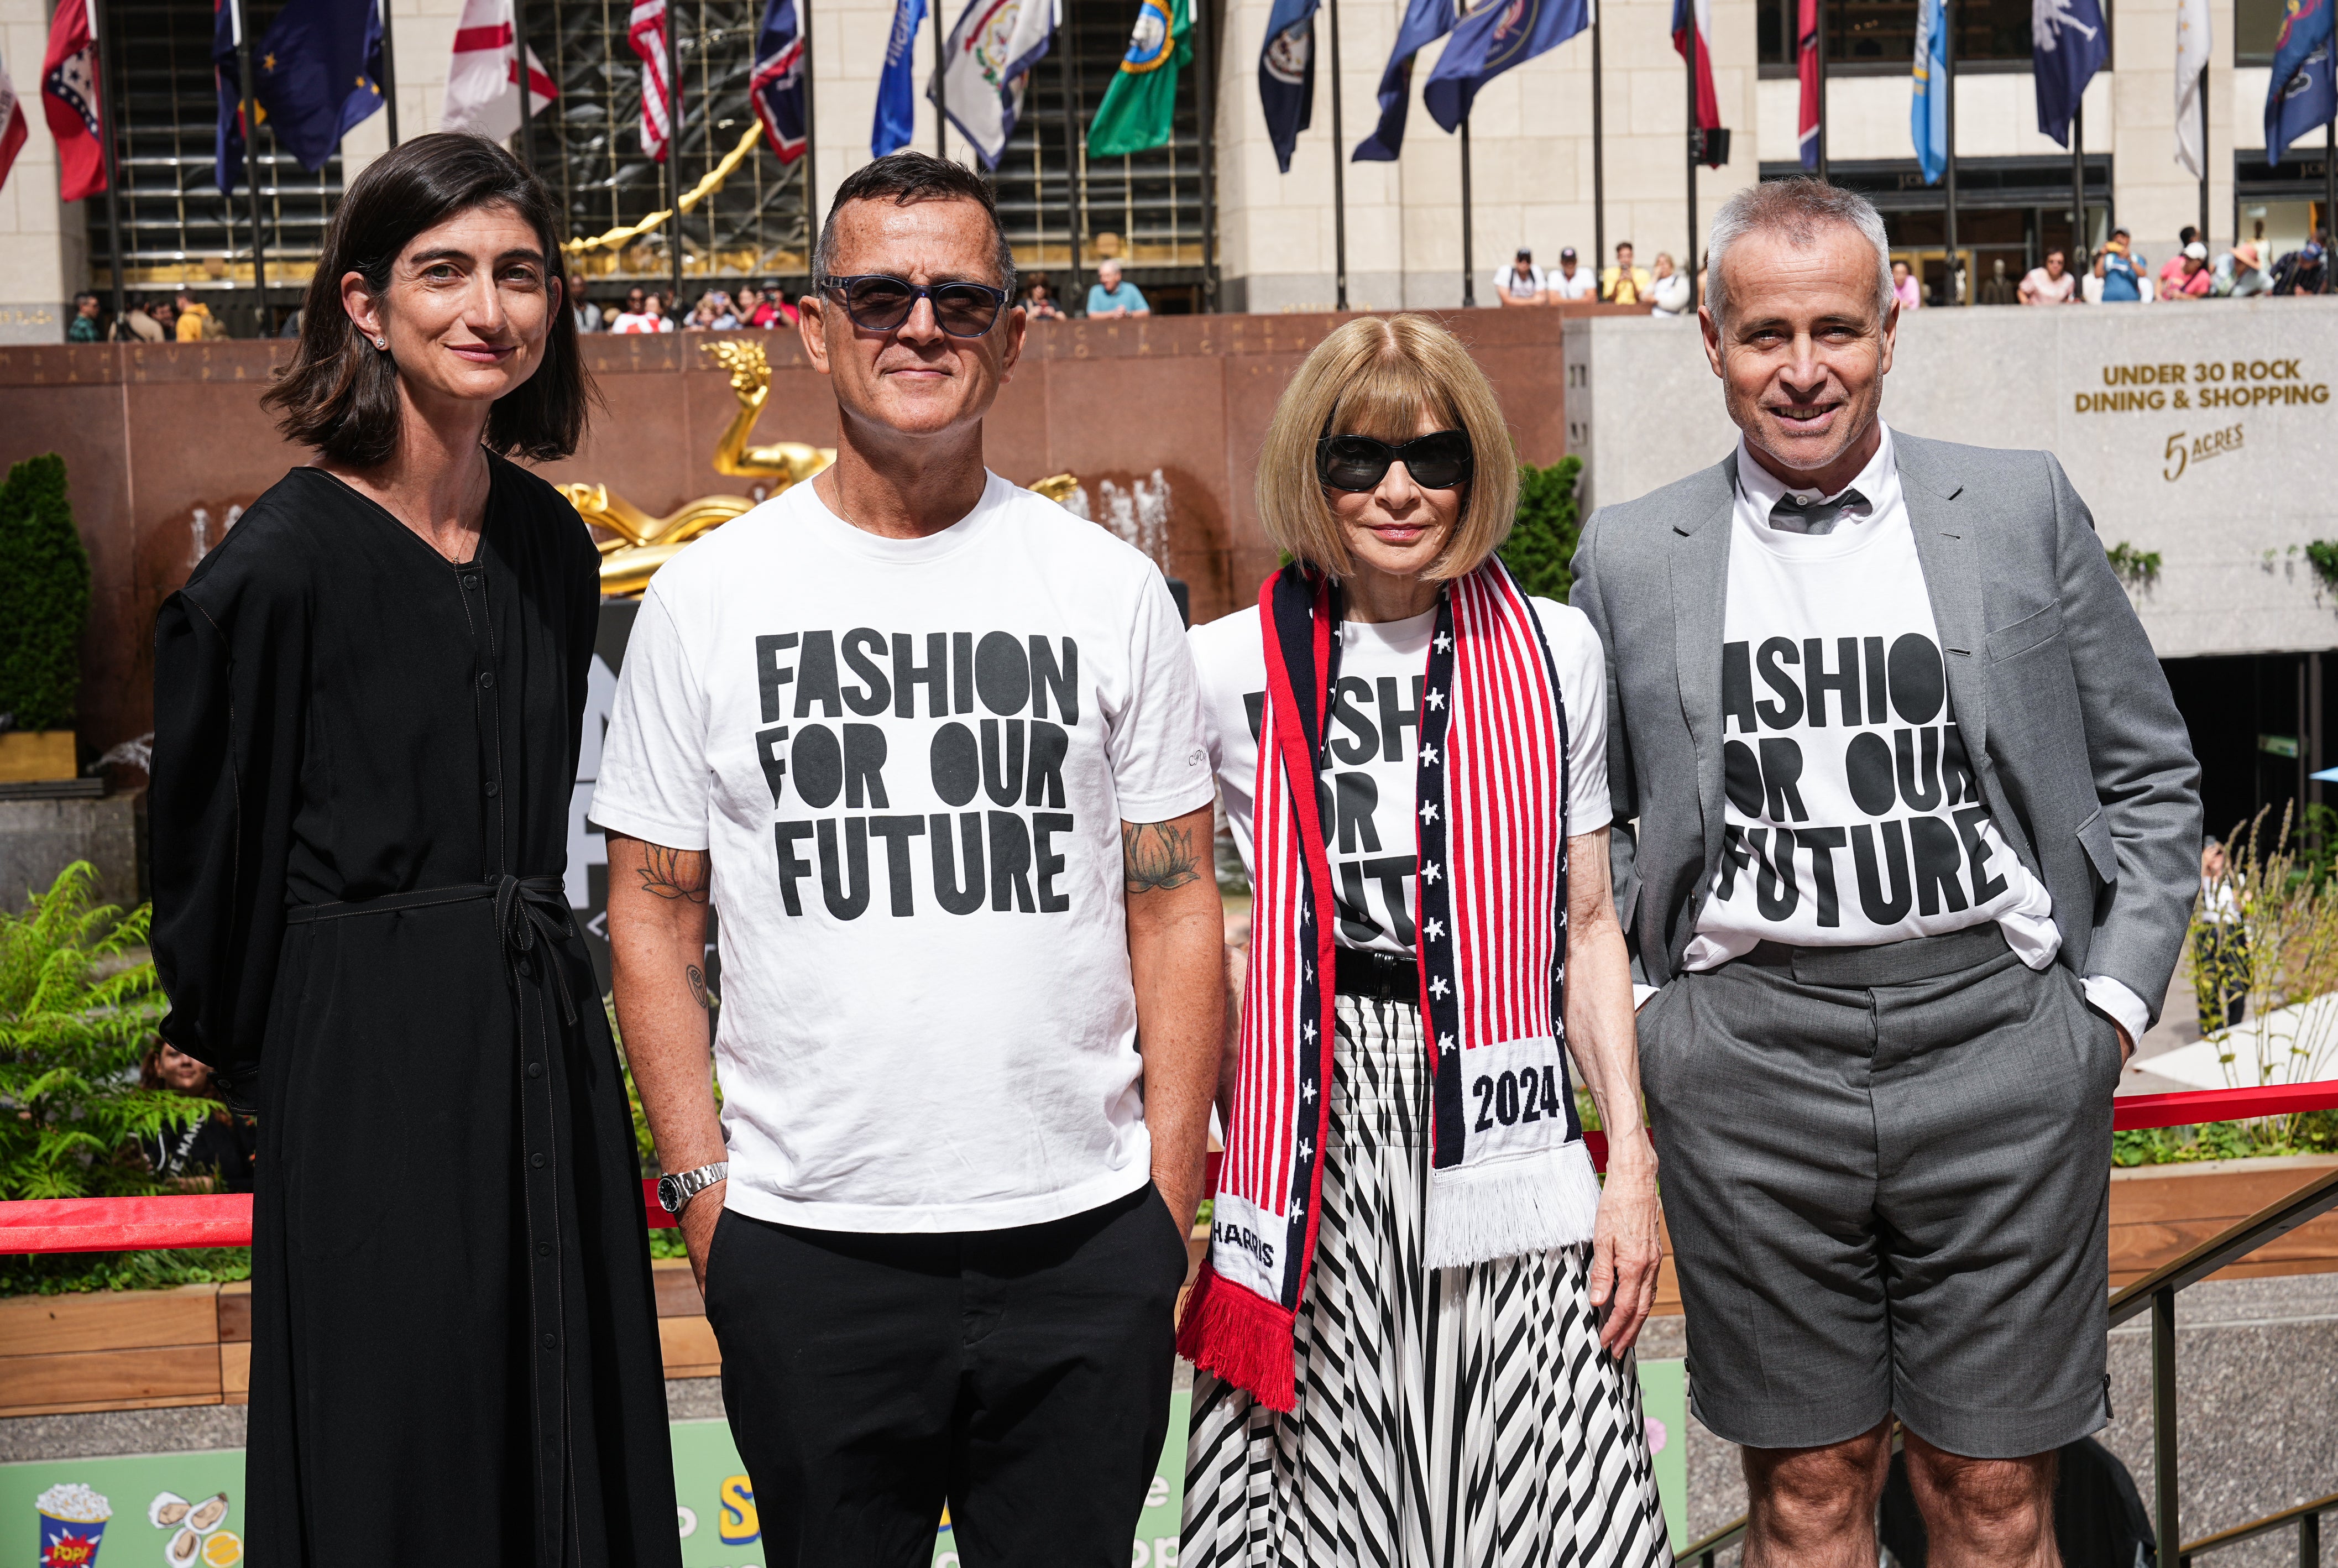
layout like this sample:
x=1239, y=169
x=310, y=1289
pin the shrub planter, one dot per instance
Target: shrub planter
x=38, y=756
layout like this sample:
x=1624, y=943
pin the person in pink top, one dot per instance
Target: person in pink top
x=2050, y=284
x=2186, y=275
x=1905, y=289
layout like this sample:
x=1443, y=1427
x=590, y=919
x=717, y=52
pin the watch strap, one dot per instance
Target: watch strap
x=689, y=1184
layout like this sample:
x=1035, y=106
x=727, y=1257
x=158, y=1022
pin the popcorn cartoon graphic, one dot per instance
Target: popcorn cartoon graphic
x=73, y=1521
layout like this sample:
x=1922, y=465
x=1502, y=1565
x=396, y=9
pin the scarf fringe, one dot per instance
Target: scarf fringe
x=1242, y=1336
x=1532, y=1203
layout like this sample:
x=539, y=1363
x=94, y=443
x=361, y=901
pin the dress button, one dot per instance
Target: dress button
x=527, y=970
x=535, y=1069
x=544, y=1249
x=551, y=1340
x=486, y=678
x=537, y=1160
x=494, y=788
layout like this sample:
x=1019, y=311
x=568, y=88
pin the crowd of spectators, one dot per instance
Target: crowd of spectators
x=2117, y=274
x=2121, y=275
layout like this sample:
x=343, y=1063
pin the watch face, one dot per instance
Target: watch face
x=670, y=1194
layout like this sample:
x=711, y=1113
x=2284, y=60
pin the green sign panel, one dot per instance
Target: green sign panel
x=186, y=1510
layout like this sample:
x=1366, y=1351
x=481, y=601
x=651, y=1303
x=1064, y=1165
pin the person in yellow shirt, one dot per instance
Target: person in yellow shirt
x=1623, y=283
x=195, y=321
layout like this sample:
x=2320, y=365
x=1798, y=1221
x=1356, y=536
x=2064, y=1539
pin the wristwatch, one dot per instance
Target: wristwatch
x=674, y=1192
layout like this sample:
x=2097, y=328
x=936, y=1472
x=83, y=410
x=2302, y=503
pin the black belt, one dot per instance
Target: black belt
x=526, y=907
x=530, y=910
x=1379, y=976
x=1917, y=958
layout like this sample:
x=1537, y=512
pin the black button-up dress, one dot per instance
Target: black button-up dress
x=363, y=763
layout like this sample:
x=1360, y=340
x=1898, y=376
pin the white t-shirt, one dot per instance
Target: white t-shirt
x=1582, y=286
x=1852, y=813
x=911, y=760
x=630, y=321
x=1371, y=765
x=1508, y=282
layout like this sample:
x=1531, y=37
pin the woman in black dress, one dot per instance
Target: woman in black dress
x=368, y=705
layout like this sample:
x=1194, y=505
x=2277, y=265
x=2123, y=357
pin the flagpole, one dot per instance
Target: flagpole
x=1948, y=85
x=673, y=155
x=251, y=161
x=1696, y=146
x=1598, y=160
x=1468, y=248
x=1822, y=8
x=2204, y=156
x=2077, y=259
x=941, y=86
x=2329, y=189
x=1338, y=175
x=105, y=103
x=389, y=73
x=519, y=74
x=1205, y=98
x=811, y=143
x=1075, y=164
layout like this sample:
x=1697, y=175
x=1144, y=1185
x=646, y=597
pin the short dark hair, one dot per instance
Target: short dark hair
x=338, y=394
x=910, y=176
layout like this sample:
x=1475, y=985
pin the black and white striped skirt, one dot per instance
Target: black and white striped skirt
x=1454, y=1418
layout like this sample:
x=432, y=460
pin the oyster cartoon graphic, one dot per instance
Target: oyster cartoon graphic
x=168, y=1509
x=207, y=1513
x=182, y=1548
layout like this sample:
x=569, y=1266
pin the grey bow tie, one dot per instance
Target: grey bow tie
x=1815, y=516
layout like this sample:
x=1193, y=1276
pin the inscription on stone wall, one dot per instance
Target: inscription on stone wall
x=2201, y=383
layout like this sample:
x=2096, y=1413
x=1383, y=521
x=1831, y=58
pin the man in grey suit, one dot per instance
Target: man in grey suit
x=1916, y=842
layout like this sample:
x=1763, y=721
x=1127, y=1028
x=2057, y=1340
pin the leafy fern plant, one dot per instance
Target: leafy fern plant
x=78, y=1002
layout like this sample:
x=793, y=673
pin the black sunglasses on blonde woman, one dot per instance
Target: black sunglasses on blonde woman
x=1436, y=461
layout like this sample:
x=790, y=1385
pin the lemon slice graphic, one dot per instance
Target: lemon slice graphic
x=223, y=1549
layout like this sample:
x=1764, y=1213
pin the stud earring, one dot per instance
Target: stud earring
x=382, y=343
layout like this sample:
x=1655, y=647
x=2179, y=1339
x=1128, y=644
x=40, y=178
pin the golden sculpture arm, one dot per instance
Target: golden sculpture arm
x=789, y=462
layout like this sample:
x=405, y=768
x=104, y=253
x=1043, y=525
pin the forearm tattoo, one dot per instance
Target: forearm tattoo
x=672, y=874
x=698, y=987
x=1157, y=855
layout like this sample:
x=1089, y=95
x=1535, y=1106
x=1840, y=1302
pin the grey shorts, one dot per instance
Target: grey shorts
x=1886, y=1172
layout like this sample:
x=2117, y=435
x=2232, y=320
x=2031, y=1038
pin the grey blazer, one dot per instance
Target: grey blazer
x=2084, y=763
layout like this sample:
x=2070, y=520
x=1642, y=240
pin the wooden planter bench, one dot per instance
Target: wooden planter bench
x=133, y=1350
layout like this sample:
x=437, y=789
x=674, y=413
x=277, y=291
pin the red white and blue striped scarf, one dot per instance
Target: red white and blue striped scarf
x=1491, y=911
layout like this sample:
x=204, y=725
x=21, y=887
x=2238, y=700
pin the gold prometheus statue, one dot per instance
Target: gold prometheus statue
x=644, y=543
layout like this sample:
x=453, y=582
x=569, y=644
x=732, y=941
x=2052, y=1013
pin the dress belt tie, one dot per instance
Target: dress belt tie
x=526, y=907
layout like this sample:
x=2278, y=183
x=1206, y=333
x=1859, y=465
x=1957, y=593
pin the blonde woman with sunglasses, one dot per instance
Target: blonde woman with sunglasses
x=1415, y=1328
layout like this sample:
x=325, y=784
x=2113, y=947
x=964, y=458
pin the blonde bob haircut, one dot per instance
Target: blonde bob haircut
x=1374, y=377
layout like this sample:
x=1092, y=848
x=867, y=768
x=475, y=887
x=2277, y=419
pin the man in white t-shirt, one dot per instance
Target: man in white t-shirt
x=1912, y=823
x=934, y=749
x=1521, y=282
x=1573, y=281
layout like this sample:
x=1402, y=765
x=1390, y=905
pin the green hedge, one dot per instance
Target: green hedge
x=1541, y=546
x=43, y=596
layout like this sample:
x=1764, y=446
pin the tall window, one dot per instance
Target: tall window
x=1867, y=34
x=1144, y=211
x=588, y=147
x=2255, y=24
x=178, y=231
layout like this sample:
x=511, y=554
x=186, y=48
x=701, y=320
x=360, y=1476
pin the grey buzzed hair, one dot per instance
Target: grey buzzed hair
x=1795, y=209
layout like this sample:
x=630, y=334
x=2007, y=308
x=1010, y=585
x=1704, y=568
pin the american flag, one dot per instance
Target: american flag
x=647, y=33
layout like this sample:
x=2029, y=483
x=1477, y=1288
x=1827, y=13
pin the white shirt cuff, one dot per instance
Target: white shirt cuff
x=1640, y=994
x=2117, y=1003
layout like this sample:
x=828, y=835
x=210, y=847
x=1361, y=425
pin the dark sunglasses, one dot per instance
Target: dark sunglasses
x=877, y=303
x=1436, y=461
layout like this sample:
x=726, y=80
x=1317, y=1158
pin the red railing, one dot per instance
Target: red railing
x=144, y=1224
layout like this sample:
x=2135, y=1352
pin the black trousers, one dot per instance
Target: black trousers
x=1021, y=1376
